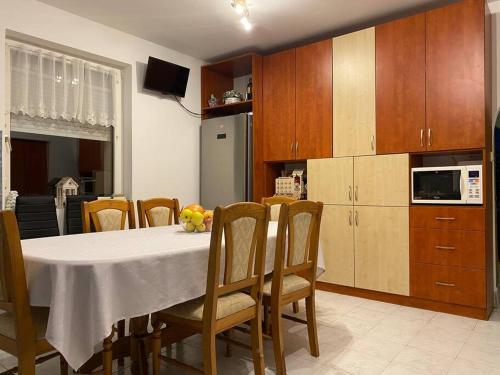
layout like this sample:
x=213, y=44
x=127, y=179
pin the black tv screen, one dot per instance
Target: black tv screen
x=166, y=77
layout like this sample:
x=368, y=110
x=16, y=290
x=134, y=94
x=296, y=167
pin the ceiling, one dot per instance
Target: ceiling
x=209, y=29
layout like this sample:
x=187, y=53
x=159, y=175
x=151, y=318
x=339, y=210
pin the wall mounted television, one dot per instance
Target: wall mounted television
x=166, y=77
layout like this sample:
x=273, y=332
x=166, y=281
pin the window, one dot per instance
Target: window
x=65, y=121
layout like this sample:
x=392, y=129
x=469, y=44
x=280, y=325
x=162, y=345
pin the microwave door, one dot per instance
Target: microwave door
x=438, y=186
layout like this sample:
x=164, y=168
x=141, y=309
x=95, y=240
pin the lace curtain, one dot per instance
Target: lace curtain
x=51, y=86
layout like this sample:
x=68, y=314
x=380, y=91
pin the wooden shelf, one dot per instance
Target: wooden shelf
x=228, y=109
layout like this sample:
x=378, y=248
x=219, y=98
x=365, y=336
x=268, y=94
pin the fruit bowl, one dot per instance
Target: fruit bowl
x=195, y=219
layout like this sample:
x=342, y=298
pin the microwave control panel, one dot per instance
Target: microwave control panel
x=474, y=187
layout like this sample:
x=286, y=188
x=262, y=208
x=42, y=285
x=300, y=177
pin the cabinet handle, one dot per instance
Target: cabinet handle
x=422, y=137
x=356, y=193
x=429, y=136
x=350, y=193
x=356, y=219
x=350, y=218
x=291, y=147
x=440, y=283
x=445, y=218
x=445, y=247
x=373, y=143
x=296, y=148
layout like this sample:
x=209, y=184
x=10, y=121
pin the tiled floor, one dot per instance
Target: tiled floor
x=359, y=336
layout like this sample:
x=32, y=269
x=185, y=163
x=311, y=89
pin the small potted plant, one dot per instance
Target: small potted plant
x=232, y=96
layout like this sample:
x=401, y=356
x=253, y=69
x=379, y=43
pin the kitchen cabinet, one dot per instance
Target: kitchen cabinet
x=279, y=106
x=354, y=94
x=382, y=180
x=455, y=76
x=297, y=103
x=400, y=85
x=448, y=254
x=365, y=231
x=381, y=242
x=331, y=180
x=313, y=100
x=337, y=243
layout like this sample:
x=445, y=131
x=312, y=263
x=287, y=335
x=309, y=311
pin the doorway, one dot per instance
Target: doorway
x=29, y=167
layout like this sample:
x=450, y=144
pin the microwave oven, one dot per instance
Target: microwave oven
x=447, y=185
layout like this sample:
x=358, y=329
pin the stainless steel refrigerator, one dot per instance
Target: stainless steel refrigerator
x=226, y=160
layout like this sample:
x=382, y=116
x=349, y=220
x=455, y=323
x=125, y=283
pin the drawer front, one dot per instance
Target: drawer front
x=448, y=284
x=448, y=247
x=447, y=217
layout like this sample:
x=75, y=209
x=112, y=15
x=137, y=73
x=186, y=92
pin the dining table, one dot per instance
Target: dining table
x=91, y=281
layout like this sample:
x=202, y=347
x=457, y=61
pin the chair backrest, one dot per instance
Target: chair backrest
x=297, y=242
x=244, y=226
x=107, y=215
x=14, y=296
x=275, y=202
x=36, y=216
x=158, y=212
x=74, y=212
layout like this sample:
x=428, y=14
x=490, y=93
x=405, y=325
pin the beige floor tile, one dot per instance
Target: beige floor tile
x=424, y=362
x=453, y=321
x=411, y=313
x=378, y=348
x=487, y=354
x=379, y=306
x=369, y=316
x=397, y=329
x=464, y=367
x=437, y=343
x=359, y=363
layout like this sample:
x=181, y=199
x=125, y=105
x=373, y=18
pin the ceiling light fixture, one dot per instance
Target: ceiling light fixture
x=240, y=7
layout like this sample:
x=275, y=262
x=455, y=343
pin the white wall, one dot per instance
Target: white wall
x=161, y=141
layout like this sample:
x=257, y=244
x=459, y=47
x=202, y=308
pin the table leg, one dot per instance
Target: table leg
x=138, y=353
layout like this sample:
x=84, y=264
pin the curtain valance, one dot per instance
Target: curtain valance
x=52, y=86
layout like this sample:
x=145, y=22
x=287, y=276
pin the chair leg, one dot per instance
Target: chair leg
x=63, y=365
x=312, y=329
x=209, y=354
x=267, y=321
x=257, y=346
x=295, y=306
x=26, y=365
x=277, y=334
x=229, y=348
x=107, y=355
x=156, y=348
x=121, y=334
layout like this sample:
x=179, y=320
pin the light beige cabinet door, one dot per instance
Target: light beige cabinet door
x=382, y=180
x=337, y=244
x=354, y=94
x=330, y=180
x=381, y=242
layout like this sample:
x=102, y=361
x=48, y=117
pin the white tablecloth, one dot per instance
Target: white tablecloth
x=91, y=281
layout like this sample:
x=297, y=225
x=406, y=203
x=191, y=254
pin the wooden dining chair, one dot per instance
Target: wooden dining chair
x=107, y=215
x=158, y=212
x=23, y=327
x=294, y=274
x=226, y=304
x=275, y=202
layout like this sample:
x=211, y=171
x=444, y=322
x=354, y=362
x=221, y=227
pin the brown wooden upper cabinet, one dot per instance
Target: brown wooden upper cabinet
x=297, y=103
x=455, y=76
x=400, y=85
x=278, y=107
x=313, y=100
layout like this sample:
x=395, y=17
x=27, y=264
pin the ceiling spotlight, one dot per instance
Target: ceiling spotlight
x=240, y=7
x=246, y=23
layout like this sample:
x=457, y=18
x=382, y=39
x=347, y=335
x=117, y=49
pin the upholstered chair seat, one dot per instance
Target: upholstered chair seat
x=291, y=283
x=228, y=304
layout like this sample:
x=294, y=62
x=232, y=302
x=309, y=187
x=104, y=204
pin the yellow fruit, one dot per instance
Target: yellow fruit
x=201, y=228
x=189, y=227
x=208, y=214
x=195, y=208
x=197, y=218
x=186, y=215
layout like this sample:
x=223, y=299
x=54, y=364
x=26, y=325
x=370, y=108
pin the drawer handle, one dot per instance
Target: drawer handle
x=445, y=218
x=445, y=247
x=450, y=285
